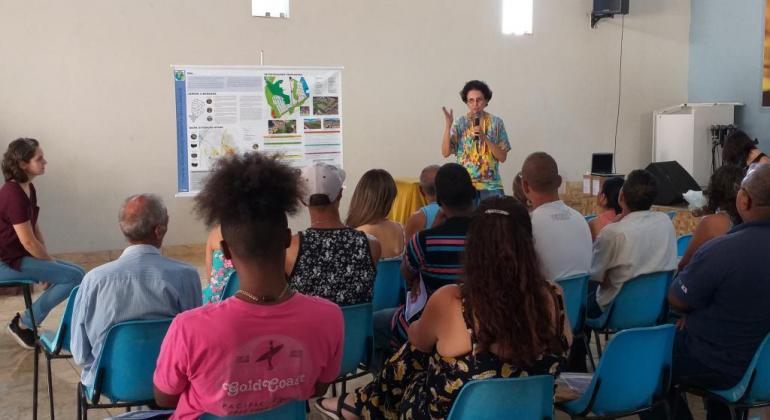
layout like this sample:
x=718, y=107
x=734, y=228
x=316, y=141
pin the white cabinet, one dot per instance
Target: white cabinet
x=683, y=133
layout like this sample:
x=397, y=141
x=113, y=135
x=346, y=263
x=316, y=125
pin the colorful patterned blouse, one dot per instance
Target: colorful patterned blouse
x=475, y=156
x=221, y=270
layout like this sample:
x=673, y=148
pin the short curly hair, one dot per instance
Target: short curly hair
x=20, y=150
x=476, y=85
x=250, y=196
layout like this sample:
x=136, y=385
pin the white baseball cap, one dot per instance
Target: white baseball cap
x=321, y=178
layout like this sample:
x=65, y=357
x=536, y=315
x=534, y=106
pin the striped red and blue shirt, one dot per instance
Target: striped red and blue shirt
x=436, y=253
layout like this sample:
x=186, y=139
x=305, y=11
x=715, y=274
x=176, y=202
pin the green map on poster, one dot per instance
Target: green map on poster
x=285, y=94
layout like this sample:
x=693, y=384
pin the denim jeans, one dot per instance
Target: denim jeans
x=62, y=276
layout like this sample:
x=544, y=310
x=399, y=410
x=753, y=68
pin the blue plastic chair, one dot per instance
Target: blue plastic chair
x=26, y=288
x=641, y=302
x=633, y=375
x=681, y=244
x=232, y=286
x=387, y=284
x=56, y=344
x=575, y=292
x=753, y=390
x=125, y=366
x=293, y=410
x=671, y=214
x=357, y=346
x=527, y=398
x=590, y=217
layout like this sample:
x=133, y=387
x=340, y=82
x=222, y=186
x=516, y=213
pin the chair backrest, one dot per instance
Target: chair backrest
x=682, y=243
x=358, y=336
x=754, y=387
x=127, y=362
x=633, y=371
x=527, y=398
x=760, y=364
x=387, y=284
x=292, y=410
x=232, y=286
x=575, y=291
x=641, y=302
x=62, y=338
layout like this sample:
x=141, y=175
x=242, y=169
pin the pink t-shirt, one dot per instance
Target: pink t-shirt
x=235, y=357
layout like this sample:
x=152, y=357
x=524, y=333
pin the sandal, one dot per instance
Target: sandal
x=337, y=414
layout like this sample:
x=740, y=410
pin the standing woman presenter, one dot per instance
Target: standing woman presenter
x=23, y=254
x=478, y=139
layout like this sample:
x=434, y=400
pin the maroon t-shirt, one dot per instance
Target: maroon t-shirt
x=15, y=208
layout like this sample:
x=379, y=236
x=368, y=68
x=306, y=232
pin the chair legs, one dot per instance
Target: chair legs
x=27, y=289
x=738, y=413
x=82, y=404
x=589, y=353
x=598, y=343
x=50, y=385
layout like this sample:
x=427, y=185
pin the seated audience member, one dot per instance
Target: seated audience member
x=329, y=259
x=23, y=254
x=433, y=256
x=271, y=344
x=465, y=332
x=641, y=242
x=741, y=150
x=140, y=284
x=724, y=293
x=369, y=208
x=720, y=209
x=424, y=217
x=218, y=267
x=608, y=201
x=562, y=237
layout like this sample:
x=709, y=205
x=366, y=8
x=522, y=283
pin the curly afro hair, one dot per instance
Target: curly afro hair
x=250, y=196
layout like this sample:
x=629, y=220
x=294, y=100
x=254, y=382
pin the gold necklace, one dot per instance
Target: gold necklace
x=266, y=298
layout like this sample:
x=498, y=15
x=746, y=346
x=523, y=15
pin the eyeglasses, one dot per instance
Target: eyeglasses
x=475, y=100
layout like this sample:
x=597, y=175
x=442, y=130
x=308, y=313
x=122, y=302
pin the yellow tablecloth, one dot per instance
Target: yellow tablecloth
x=408, y=199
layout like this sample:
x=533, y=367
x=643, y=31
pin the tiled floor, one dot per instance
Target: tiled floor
x=16, y=364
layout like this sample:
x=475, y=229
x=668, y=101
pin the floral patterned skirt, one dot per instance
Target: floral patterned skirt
x=417, y=385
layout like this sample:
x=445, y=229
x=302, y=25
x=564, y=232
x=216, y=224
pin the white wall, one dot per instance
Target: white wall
x=91, y=80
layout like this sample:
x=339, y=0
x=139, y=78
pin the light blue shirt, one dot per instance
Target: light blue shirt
x=430, y=211
x=141, y=284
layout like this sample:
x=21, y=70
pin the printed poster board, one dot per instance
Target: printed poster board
x=222, y=110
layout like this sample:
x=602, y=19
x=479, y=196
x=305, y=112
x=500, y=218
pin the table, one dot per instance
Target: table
x=408, y=200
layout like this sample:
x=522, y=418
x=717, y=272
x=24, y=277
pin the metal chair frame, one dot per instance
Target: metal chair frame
x=26, y=287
